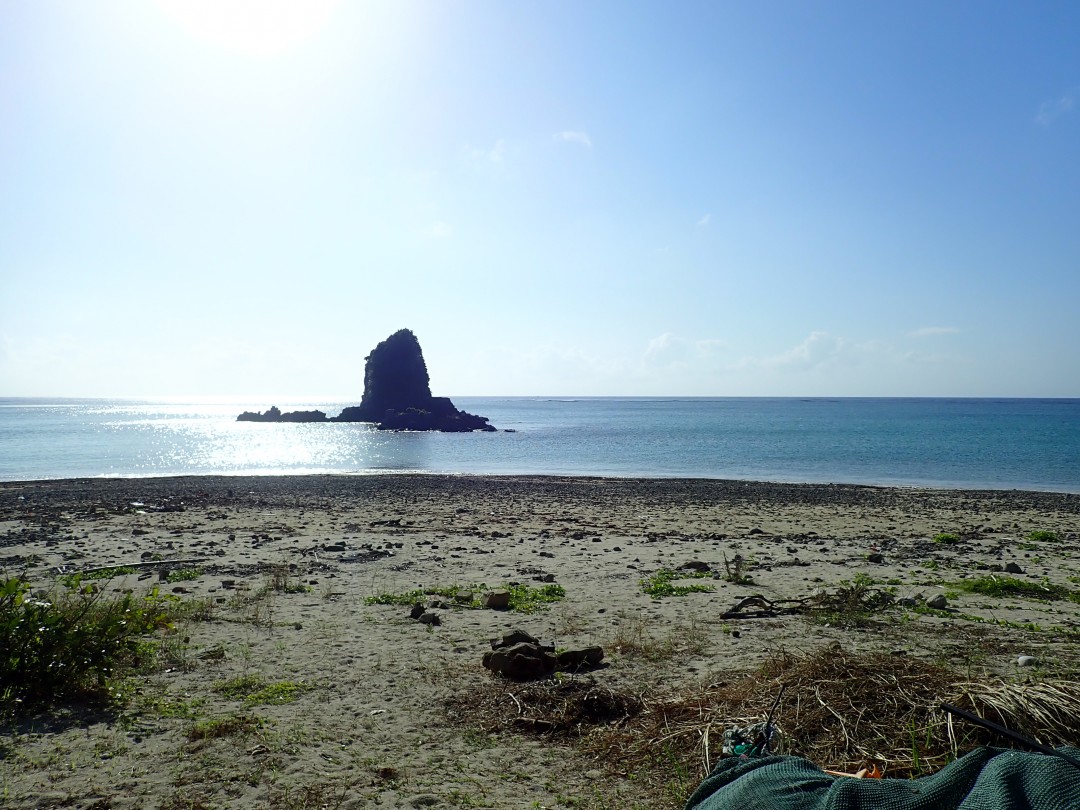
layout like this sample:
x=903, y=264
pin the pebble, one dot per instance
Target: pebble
x=1026, y=661
x=938, y=602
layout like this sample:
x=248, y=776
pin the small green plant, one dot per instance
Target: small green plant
x=1004, y=586
x=735, y=571
x=73, y=642
x=231, y=726
x=661, y=584
x=75, y=580
x=254, y=690
x=855, y=603
x=184, y=575
x=281, y=579
x=1042, y=536
x=946, y=538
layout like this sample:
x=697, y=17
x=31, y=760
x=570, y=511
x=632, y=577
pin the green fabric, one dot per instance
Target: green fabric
x=985, y=779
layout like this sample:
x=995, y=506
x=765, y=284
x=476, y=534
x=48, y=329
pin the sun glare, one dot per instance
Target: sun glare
x=255, y=27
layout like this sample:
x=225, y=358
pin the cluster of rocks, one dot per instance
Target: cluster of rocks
x=520, y=656
x=426, y=614
x=397, y=395
x=274, y=414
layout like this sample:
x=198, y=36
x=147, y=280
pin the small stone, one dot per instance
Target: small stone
x=514, y=637
x=496, y=600
x=578, y=659
x=521, y=662
x=1026, y=661
x=876, y=558
x=417, y=611
x=938, y=602
x=1013, y=568
x=430, y=618
x=695, y=565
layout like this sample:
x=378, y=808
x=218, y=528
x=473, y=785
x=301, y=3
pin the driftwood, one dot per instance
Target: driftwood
x=60, y=569
x=766, y=608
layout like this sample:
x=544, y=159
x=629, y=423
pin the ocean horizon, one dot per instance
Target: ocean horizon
x=955, y=443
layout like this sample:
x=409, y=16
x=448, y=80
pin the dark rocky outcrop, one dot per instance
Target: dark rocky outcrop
x=397, y=392
x=275, y=415
x=520, y=656
x=397, y=395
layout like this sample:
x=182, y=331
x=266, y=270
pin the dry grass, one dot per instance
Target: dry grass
x=633, y=639
x=840, y=710
x=564, y=706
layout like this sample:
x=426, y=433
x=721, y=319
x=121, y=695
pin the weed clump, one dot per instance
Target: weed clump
x=72, y=643
x=1042, y=536
x=661, y=584
x=1002, y=586
x=946, y=538
x=253, y=690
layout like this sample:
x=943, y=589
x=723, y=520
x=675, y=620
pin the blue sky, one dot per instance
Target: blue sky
x=237, y=198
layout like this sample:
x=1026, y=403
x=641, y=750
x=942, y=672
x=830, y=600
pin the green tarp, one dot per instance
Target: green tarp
x=985, y=779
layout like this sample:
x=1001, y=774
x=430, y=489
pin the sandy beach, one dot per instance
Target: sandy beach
x=285, y=570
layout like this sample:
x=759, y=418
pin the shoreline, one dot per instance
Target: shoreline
x=254, y=479
x=288, y=567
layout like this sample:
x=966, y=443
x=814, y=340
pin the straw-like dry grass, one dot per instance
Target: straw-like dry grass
x=841, y=710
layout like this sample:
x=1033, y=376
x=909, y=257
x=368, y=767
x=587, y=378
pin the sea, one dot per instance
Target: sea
x=1027, y=444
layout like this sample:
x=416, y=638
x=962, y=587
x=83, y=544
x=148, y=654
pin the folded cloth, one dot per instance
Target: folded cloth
x=985, y=779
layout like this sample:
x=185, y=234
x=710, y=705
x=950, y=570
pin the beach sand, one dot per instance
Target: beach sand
x=369, y=724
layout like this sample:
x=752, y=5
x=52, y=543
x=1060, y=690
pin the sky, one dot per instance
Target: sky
x=233, y=198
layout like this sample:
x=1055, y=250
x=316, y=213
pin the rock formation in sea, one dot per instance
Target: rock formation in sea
x=274, y=414
x=397, y=395
x=397, y=392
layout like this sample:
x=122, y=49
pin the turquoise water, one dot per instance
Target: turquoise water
x=966, y=443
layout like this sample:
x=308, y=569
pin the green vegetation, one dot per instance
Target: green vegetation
x=734, y=571
x=946, y=537
x=1042, y=536
x=73, y=642
x=661, y=583
x=184, y=575
x=1004, y=586
x=281, y=579
x=74, y=580
x=254, y=690
x=233, y=725
x=855, y=603
x=523, y=599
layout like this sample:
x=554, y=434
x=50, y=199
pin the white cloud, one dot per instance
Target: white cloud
x=1050, y=111
x=929, y=331
x=819, y=349
x=672, y=351
x=574, y=136
x=704, y=220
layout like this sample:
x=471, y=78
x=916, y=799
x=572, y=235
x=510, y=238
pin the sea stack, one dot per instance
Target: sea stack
x=397, y=392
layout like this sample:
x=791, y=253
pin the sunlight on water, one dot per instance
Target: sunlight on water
x=211, y=445
x=1026, y=444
